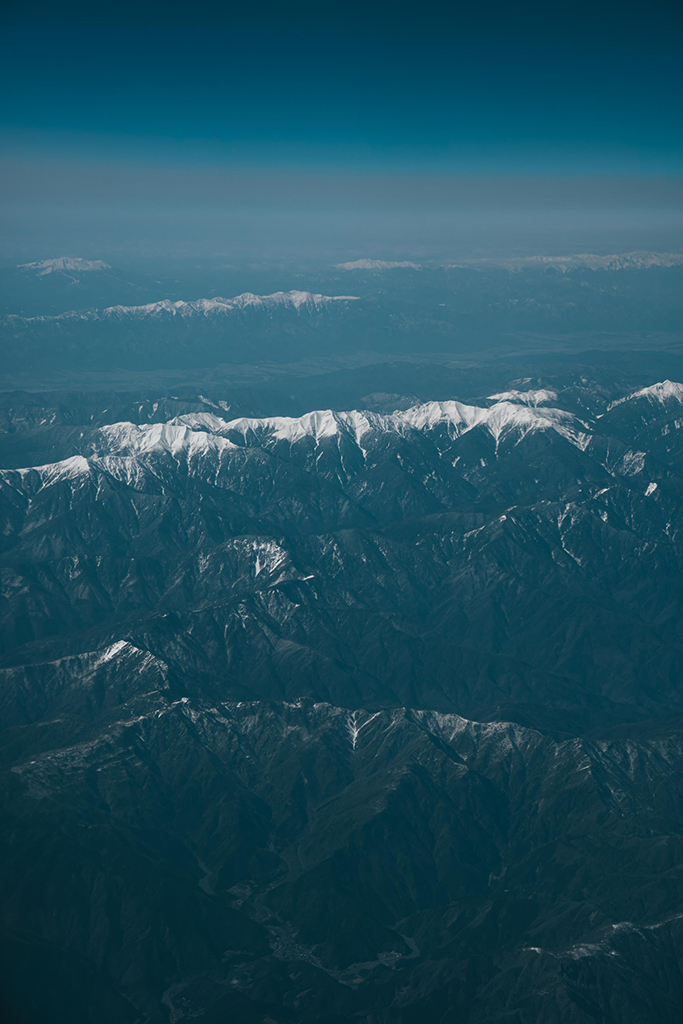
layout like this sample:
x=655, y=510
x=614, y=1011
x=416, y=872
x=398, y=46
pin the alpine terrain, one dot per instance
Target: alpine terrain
x=362, y=714
x=341, y=513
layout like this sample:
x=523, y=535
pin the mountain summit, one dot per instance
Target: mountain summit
x=64, y=265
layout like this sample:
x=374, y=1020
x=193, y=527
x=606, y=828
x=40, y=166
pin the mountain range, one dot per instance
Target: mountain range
x=62, y=319
x=360, y=714
x=583, y=261
x=202, y=307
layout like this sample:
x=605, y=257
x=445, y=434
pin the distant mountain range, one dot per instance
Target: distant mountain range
x=63, y=320
x=579, y=261
x=178, y=332
x=73, y=266
x=296, y=300
x=379, y=265
x=582, y=261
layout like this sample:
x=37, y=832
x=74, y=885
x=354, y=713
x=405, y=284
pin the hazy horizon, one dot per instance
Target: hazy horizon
x=456, y=131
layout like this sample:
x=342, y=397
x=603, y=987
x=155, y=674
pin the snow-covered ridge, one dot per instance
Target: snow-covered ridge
x=378, y=265
x=585, y=261
x=190, y=438
x=317, y=425
x=173, y=437
x=119, y=446
x=656, y=394
x=218, y=306
x=533, y=398
x=66, y=264
x=456, y=417
x=66, y=469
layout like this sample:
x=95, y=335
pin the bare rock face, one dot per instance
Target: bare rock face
x=352, y=716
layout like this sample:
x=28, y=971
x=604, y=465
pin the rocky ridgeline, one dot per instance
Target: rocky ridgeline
x=348, y=716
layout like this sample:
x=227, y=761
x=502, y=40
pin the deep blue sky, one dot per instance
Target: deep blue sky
x=218, y=108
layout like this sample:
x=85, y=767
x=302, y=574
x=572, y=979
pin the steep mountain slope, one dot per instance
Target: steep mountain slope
x=354, y=715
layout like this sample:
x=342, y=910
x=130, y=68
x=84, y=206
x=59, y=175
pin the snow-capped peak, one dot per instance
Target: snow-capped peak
x=294, y=298
x=456, y=417
x=578, y=261
x=532, y=398
x=71, y=469
x=121, y=450
x=497, y=419
x=64, y=264
x=318, y=425
x=173, y=437
x=217, y=306
x=664, y=391
x=117, y=446
x=379, y=265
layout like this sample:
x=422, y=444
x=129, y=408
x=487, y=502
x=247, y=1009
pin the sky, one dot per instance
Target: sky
x=404, y=126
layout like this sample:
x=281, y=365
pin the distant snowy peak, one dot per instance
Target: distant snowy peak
x=657, y=394
x=630, y=261
x=166, y=308
x=64, y=264
x=378, y=265
x=295, y=299
x=532, y=398
x=584, y=261
x=247, y=300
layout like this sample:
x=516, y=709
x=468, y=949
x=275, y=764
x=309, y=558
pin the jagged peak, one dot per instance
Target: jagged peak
x=318, y=424
x=174, y=437
x=456, y=416
x=663, y=391
x=117, y=445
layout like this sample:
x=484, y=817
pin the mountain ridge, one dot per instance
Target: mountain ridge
x=202, y=307
x=64, y=264
x=349, y=716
